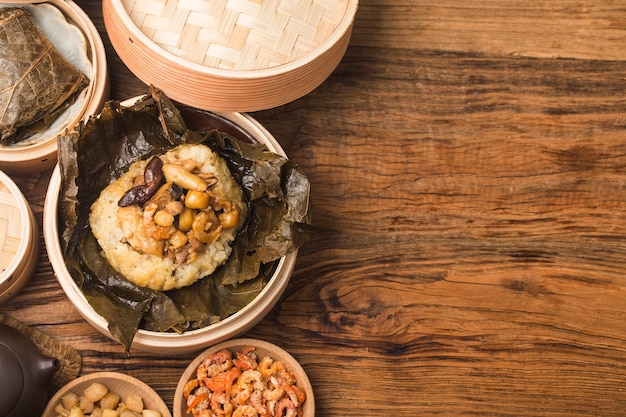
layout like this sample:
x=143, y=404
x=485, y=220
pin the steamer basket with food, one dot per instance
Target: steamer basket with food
x=54, y=73
x=171, y=229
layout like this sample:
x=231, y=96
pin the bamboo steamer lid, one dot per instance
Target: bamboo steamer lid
x=232, y=56
x=41, y=155
x=19, y=239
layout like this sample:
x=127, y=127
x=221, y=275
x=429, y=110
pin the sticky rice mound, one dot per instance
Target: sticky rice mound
x=123, y=233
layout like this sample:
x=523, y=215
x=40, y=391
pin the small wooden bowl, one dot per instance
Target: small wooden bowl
x=40, y=155
x=122, y=384
x=238, y=55
x=19, y=240
x=262, y=349
x=241, y=126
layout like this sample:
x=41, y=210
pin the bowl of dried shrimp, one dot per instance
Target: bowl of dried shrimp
x=244, y=377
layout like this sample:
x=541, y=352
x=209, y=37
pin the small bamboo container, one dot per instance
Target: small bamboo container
x=240, y=55
x=41, y=154
x=19, y=240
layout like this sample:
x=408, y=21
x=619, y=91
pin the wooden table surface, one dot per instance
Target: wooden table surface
x=468, y=169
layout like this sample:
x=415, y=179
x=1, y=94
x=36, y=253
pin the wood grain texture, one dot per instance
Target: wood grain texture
x=468, y=169
x=544, y=29
x=471, y=248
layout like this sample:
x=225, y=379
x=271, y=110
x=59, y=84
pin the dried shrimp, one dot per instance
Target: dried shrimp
x=239, y=385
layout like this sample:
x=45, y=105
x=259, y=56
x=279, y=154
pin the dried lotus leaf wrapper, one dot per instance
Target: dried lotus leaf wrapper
x=36, y=81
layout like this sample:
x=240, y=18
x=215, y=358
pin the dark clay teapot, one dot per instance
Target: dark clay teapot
x=25, y=374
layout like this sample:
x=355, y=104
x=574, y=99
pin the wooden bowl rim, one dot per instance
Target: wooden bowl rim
x=26, y=227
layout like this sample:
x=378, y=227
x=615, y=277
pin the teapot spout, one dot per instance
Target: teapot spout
x=47, y=367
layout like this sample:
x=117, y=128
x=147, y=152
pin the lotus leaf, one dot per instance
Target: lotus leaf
x=100, y=150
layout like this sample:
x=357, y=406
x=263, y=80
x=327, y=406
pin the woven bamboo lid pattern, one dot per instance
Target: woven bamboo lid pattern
x=12, y=235
x=240, y=35
x=19, y=239
x=231, y=55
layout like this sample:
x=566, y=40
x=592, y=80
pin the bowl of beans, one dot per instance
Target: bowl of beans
x=103, y=394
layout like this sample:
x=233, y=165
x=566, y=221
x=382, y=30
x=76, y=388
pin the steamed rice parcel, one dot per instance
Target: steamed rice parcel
x=169, y=229
x=184, y=229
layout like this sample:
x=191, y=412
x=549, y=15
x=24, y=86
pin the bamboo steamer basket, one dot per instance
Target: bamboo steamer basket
x=19, y=240
x=41, y=155
x=169, y=343
x=236, y=55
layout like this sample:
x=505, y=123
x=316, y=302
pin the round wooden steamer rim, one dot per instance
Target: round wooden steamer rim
x=172, y=343
x=263, y=348
x=22, y=275
x=217, y=89
x=117, y=382
x=250, y=74
x=42, y=155
x=19, y=270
